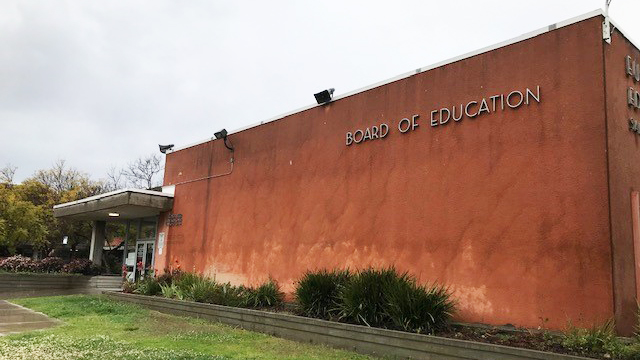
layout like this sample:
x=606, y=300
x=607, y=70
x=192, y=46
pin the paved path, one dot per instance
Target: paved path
x=15, y=318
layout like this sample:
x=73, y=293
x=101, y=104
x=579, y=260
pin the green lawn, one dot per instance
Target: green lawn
x=98, y=328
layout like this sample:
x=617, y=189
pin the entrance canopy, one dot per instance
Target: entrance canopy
x=125, y=204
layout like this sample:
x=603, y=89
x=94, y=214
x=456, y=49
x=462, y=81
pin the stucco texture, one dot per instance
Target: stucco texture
x=509, y=209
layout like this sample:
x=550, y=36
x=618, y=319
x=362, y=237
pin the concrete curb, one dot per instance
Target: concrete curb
x=379, y=342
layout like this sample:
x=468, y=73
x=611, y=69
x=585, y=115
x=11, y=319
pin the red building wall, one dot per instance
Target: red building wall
x=624, y=176
x=510, y=209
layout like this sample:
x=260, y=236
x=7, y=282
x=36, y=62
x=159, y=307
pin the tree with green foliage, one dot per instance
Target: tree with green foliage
x=26, y=209
x=21, y=222
x=57, y=185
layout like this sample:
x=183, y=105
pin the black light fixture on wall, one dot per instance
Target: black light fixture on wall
x=222, y=134
x=324, y=96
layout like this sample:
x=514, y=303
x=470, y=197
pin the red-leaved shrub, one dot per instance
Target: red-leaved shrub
x=18, y=263
x=81, y=266
x=50, y=264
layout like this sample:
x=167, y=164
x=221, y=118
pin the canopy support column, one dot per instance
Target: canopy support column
x=97, y=241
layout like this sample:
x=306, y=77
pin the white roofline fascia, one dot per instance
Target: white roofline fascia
x=111, y=193
x=511, y=41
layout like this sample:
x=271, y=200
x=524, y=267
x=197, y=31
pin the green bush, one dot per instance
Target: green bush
x=637, y=328
x=129, y=287
x=229, y=295
x=185, y=281
x=266, y=295
x=148, y=286
x=629, y=352
x=385, y=298
x=421, y=309
x=172, y=292
x=373, y=297
x=363, y=300
x=169, y=276
x=202, y=290
x=317, y=293
x=187, y=286
x=598, y=339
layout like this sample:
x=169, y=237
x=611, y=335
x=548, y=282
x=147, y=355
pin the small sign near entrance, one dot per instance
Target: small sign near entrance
x=160, y=242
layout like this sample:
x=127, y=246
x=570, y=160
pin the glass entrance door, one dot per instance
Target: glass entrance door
x=144, y=258
x=138, y=258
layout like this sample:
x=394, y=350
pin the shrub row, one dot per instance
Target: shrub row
x=20, y=263
x=193, y=287
x=375, y=297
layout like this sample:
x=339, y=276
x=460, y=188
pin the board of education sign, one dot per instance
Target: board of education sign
x=453, y=114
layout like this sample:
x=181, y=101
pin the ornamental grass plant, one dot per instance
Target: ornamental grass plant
x=202, y=290
x=267, y=295
x=373, y=297
x=388, y=299
x=317, y=293
x=148, y=286
x=417, y=308
x=194, y=287
x=599, y=339
x=364, y=299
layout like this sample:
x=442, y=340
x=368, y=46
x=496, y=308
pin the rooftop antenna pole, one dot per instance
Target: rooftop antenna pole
x=606, y=24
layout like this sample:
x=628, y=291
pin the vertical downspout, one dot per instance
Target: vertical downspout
x=606, y=39
x=205, y=224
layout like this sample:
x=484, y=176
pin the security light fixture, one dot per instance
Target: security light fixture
x=222, y=134
x=325, y=96
x=114, y=214
x=165, y=148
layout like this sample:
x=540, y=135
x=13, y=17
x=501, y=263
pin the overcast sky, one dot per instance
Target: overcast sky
x=100, y=83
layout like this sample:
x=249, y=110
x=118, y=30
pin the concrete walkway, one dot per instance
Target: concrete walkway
x=15, y=319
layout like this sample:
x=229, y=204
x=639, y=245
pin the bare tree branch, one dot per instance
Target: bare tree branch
x=114, y=180
x=7, y=173
x=142, y=172
x=59, y=177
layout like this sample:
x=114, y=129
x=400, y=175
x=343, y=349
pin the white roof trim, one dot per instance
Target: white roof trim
x=529, y=35
x=111, y=193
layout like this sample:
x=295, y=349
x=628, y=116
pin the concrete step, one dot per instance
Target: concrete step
x=15, y=318
x=11, y=311
x=26, y=326
x=8, y=305
x=22, y=316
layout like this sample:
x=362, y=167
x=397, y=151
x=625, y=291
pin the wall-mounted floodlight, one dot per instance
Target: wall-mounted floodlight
x=325, y=96
x=165, y=148
x=114, y=214
x=222, y=134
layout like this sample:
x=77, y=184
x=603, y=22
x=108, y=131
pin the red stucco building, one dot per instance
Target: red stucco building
x=510, y=174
